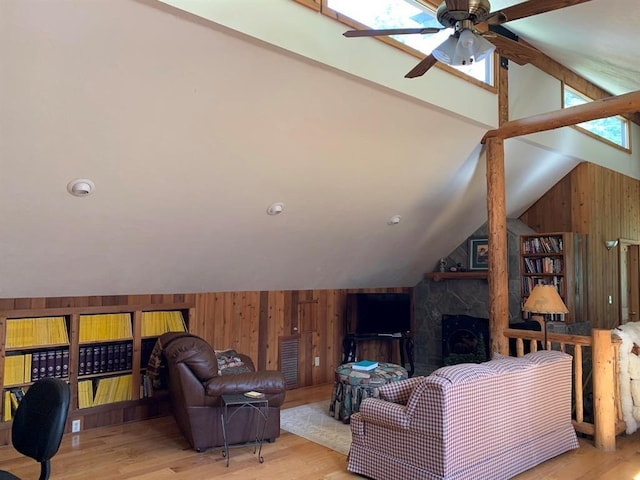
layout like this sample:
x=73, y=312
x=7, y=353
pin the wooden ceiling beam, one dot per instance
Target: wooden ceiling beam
x=603, y=108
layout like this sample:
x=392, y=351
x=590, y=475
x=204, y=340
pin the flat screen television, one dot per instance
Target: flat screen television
x=378, y=313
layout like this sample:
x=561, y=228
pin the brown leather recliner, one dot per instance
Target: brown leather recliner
x=195, y=389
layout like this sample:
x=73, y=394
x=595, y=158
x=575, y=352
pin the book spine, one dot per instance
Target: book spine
x=51, y=363
x=110, y=356
x=58, y=364
x=82, y=360
x=35, y=366
x=65, y=363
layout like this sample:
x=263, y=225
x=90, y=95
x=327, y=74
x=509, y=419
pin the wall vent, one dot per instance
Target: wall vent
x=288, y=348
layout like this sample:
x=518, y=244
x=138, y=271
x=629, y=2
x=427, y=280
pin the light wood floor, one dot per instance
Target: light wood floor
x=155, y=450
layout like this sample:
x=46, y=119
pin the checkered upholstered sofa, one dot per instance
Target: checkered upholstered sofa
x=470, y=421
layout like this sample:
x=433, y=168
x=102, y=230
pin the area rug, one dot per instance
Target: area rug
x=313, y=422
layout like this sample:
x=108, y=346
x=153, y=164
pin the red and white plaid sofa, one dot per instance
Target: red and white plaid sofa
x=470, y=421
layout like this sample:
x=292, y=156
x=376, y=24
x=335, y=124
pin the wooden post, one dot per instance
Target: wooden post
x=497, y=226
x=603, y=390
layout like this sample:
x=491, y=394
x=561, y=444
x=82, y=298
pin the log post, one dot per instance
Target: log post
x=497, y=226
x=603, y=390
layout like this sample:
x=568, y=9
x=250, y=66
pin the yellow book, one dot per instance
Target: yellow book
x=13, y=333
x=6, y=411
x=26, y=372
x=13, y=369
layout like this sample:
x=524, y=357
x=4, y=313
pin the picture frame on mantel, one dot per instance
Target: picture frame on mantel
x=478, y=254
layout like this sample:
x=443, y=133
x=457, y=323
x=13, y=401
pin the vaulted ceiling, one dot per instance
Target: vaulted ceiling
x=191, y=127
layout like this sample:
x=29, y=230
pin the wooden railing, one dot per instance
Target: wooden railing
x=600, y=375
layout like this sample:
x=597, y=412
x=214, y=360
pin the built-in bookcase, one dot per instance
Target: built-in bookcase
x=555, y=259
x=34, y=348
x=101, y=351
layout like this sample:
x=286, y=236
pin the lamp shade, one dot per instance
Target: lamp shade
x=545, y=299
x=446, y=50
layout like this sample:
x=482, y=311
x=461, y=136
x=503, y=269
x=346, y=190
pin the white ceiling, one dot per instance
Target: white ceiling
x=598, y=39
x=190, y=131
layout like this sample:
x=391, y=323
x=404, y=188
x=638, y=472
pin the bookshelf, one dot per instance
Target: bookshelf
x=101, y=351
x=555, y=259
x=34, y=348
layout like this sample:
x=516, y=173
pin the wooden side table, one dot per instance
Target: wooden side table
x=233, y=403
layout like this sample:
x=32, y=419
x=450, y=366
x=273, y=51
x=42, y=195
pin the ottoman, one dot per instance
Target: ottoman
x=352, y=386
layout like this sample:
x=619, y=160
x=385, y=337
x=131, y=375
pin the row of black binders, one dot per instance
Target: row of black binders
x=102, y=358
x=50, y=363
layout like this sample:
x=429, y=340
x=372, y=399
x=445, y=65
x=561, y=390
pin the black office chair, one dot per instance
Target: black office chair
x=39, y=423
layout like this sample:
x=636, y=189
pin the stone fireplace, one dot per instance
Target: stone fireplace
x=461, y=297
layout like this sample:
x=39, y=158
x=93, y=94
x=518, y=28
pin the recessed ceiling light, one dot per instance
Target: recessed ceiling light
x=80, y=187
x=275, y=208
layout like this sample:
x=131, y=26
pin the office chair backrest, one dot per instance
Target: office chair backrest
x=40, y=419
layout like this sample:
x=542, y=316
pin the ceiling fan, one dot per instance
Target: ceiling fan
x=472, y=21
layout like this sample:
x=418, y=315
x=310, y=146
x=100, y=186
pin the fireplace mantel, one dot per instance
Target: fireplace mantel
x=439, y=276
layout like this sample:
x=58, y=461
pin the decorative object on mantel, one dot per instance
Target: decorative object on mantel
x=439, y=276
x=478, y=254
x=443, y=265
x=545, y=300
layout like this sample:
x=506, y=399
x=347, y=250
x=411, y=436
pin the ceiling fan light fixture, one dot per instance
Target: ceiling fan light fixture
x=470, y=48
x=446, y=50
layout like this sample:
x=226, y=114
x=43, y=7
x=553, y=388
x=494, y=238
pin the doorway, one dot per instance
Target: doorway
x=629, y=262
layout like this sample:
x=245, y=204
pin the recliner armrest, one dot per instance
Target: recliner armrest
x=269, y=382
x=387, y=414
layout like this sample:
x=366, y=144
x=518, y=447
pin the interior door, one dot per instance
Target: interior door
x=629, y=282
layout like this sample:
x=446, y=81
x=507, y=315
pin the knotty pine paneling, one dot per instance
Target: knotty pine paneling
x=253, y=322
x=605, y=205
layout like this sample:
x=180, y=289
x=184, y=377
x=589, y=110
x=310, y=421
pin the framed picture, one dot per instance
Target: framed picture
x=478, y=254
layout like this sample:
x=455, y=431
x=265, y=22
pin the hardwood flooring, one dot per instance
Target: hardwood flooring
x=155, y=450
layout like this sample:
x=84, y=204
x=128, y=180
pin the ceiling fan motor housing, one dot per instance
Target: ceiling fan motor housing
x=478, y=11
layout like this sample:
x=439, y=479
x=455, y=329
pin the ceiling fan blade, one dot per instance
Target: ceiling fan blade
x=527, y=9
x=422, y=68
x=457, y=5
x=514, y=51
x=390, y=31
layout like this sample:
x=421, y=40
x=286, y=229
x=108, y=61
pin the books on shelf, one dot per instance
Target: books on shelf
x=364, y=365
x=29, y=367
x=107, y=390
x=11, y=399
x=34, y=332
x=105, y=327
x=155, y=324
x=104, y=358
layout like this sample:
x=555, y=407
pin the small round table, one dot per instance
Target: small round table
x=352, y=386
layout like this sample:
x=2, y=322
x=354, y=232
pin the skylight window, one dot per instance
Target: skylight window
x=379, y=14
x=613, y=130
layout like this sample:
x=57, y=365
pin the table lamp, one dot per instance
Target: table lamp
x=545, y=300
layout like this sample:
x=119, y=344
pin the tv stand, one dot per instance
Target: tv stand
x=404, y=340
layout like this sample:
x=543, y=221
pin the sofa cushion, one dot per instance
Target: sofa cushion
x=464, y=372
x=545, y=356
x=509, y=364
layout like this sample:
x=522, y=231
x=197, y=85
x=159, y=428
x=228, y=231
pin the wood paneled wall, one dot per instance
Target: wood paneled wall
x=252, y=323
x=605, y=205
x=249, y=322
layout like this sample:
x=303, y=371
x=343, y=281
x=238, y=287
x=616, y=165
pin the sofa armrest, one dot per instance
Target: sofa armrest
x=386, y=414
x=269, y=382
x=399, y=392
